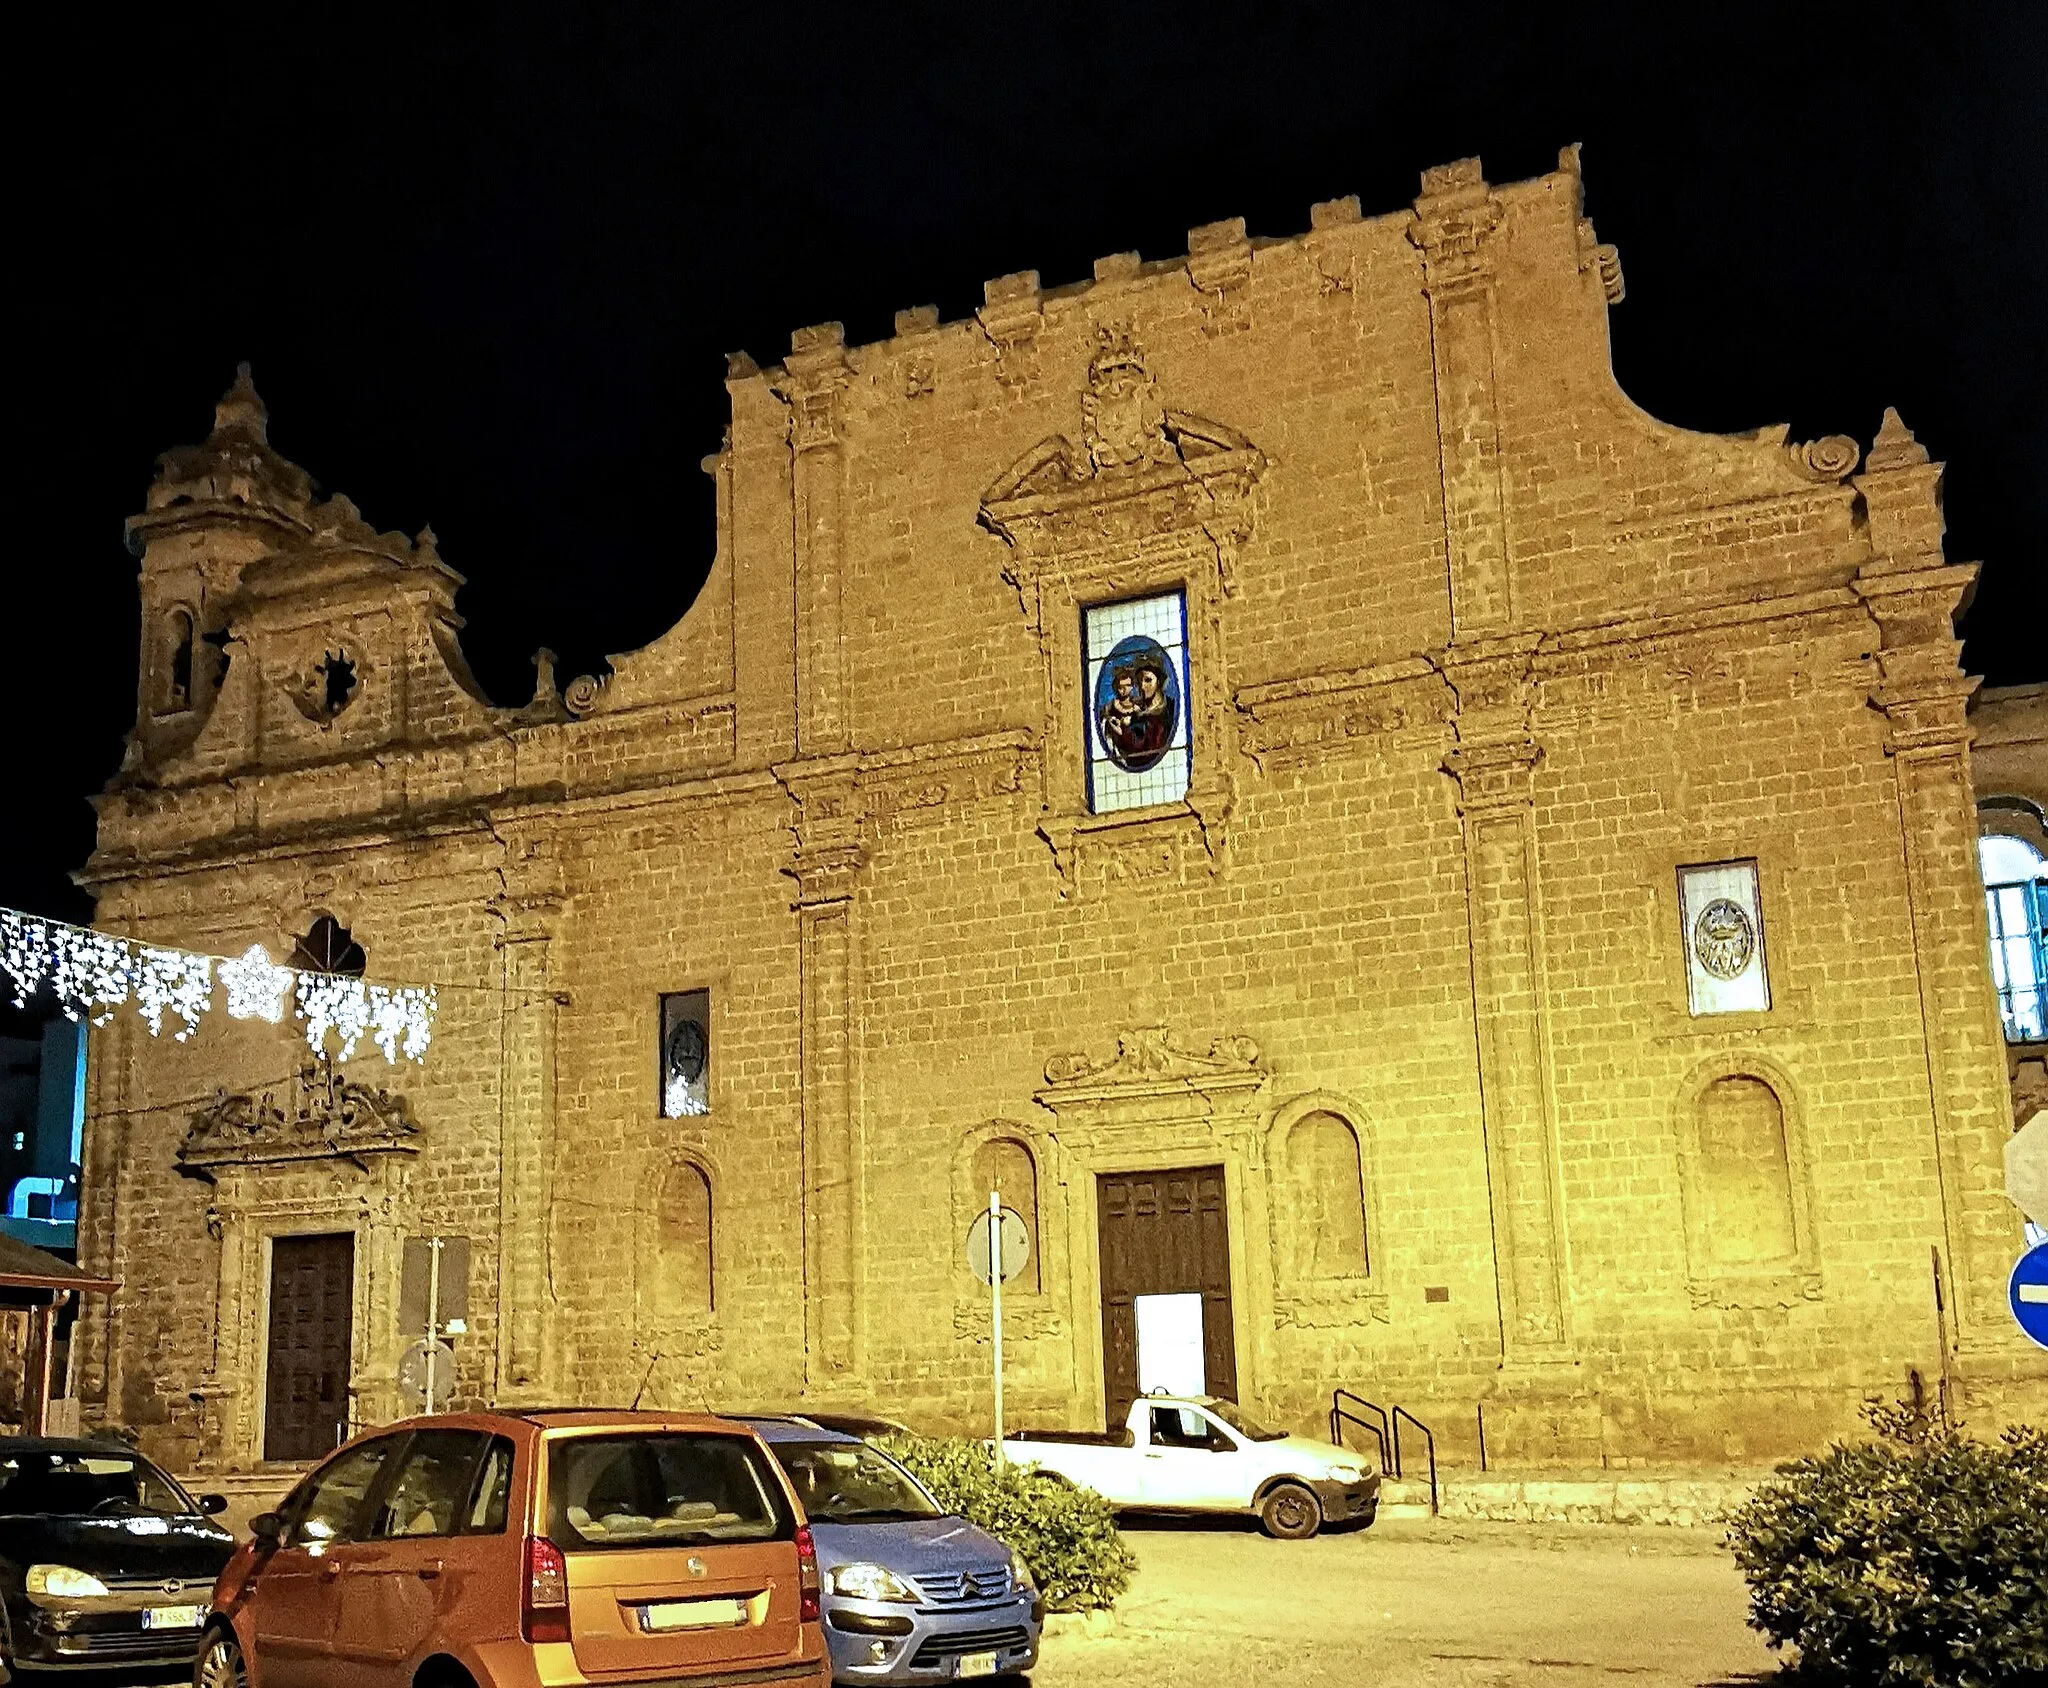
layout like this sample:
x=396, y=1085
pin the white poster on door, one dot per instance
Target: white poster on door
x=1170, y=1344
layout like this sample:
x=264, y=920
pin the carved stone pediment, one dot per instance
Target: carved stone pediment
x=1149, y=1062
x=1141, y=471
x=321, y=1116
x=1206, y=1099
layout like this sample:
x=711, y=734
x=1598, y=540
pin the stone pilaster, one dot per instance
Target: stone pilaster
x=1454, y=220
x=1494, y=760
x=1914, y=595
x=826, y=869
x=526, y=1147
x=229, y=1383
x=817, y=374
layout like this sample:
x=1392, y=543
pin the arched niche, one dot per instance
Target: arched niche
x=1745, y=1187
x=1323, y=1207
x=1008, y=1157
x=678, y=1277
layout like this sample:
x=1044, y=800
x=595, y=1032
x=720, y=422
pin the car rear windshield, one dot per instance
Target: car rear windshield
x=63, y=1483
x=648, y=1490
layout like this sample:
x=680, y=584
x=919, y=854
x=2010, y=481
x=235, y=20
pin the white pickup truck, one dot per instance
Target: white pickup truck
x=1195, y=1453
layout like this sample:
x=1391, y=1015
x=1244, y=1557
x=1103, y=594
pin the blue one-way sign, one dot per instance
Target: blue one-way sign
x=2028, y=1292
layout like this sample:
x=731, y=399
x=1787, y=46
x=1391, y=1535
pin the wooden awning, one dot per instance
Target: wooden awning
x=29, y=1276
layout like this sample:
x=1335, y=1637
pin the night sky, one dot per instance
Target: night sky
x=486, y=262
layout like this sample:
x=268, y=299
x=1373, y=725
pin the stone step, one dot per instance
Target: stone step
x=1535, y=1497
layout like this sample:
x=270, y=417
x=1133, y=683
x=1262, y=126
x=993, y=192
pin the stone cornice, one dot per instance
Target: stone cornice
x=1291, y=719
x=1664, y=627
x=916, y=777
x=1711, y=519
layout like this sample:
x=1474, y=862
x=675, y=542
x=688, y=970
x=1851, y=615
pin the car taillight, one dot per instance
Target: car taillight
x=544, y=1612
x=807, y=1571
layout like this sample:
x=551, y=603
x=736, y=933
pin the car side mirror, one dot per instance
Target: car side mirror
x=212, y=1504
x=266, y=1526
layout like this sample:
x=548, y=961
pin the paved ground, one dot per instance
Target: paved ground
x=1422, y=1604
x=1412, y=1603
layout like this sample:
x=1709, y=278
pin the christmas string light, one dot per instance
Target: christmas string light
x=94, y=973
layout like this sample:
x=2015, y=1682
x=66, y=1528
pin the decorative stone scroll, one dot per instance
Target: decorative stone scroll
x=1831, y=458
x=1149, y=1055
x=323, y=1116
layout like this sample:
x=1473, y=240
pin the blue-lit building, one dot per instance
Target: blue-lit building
x=42, y=1095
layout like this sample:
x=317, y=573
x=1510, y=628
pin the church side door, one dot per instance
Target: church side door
x=305, y=1400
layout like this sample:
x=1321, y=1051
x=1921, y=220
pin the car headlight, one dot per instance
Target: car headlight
x=864, y=1581
x=63, y=1583
x=1346, y=1473
x=1022, y=1573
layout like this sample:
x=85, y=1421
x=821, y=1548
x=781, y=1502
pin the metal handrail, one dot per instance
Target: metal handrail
x=1428, y=1441
x=1340, y=1415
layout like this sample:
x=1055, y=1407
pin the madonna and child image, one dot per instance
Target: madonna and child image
x=1137, y=703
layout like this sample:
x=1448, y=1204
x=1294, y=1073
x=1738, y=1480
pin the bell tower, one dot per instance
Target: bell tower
x=213, y=509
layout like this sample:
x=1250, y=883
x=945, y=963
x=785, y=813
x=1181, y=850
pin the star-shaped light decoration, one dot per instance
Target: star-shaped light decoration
x=257, y=986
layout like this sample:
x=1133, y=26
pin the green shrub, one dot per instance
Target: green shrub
x=1920, y=1558
x=1068, y=1536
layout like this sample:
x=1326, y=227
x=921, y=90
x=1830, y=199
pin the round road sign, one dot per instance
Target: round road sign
x=2028, y=1293
x=1014, y=1243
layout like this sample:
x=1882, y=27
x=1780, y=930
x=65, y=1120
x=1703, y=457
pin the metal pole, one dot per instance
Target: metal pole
x=995, y=1284
x=433, y=1311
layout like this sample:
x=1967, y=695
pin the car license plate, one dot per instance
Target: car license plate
x=172, y=1617
x=977, y=1664
x=666, y=1615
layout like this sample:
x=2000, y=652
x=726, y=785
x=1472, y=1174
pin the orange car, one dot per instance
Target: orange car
x=527, y=1550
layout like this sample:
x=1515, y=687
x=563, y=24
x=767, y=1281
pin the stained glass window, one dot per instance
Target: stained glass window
x=685, y=1054
x=1134, y=665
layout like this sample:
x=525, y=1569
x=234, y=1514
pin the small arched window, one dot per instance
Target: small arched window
x=1004, y=1165
x=2016, y=902
x=682, y=1265
x=328, y=947
x=177, y=661
x=1329, y=1193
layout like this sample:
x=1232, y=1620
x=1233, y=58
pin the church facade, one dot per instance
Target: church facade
x=1403, y=871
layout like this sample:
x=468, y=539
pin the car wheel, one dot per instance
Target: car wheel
x=1290, y=1513
x=221, y=1664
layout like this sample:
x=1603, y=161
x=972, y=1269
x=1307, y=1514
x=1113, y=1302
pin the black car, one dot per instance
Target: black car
x=103, y=1559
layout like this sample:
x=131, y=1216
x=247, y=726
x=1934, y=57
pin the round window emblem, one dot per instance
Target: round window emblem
x=172, y=1587
x=1723, y=938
